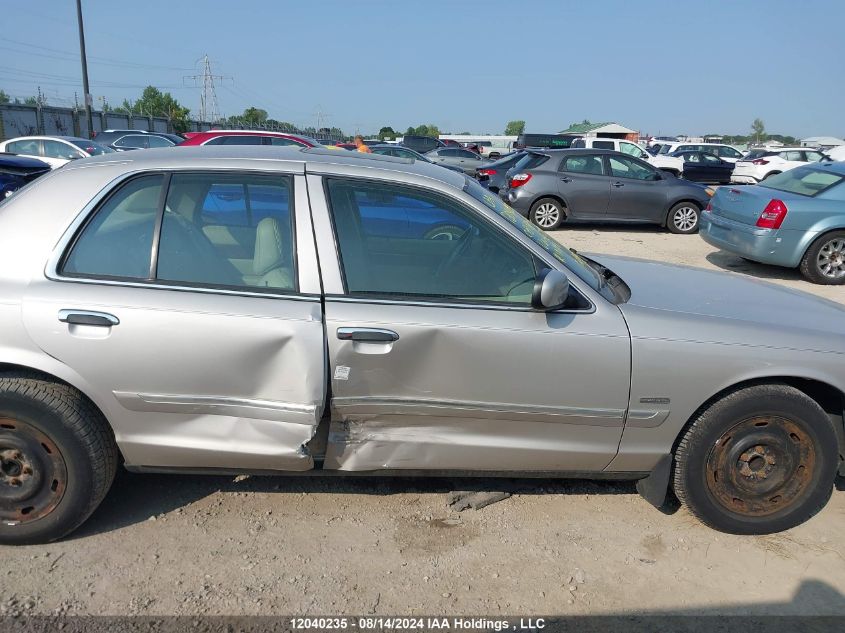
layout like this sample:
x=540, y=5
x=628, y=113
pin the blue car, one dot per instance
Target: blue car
x=795, y=219
x=16, y=171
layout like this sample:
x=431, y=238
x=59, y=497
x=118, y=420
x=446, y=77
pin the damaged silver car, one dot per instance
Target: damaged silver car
x=260, y=310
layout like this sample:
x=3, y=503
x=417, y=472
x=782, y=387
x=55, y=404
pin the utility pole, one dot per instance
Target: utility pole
x=209, y=108
x=88, y=115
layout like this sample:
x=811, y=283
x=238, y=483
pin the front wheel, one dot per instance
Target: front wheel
x=760, y=460
x=683, y=218
x=547, y=213
x=824, y=261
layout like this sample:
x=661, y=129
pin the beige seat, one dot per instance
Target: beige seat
x=268, y=264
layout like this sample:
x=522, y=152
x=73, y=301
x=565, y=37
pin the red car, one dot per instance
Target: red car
x=247, y=137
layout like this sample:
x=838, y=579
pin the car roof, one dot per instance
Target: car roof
x=258, y=156
x=51, y=138
x=265, y=132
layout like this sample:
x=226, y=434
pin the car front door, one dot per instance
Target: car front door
x=438, y=361
x=188, y=305
x=636, y=191
x=584, y=186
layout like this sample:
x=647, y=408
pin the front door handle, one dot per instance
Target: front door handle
x=366, y=334
x=88, y=317
x=566, y=179
x=618, y=184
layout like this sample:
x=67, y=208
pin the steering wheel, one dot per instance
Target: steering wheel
x=458, y=252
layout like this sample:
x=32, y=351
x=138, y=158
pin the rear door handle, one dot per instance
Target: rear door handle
x=88, y=317
x=366, y=334
x=618, y=184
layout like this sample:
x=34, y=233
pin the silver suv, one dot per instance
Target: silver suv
x=260, y=309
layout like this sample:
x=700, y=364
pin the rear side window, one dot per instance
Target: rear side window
x=159, y=141
x=603, y=145
x=214, y=230
x=583, y=164
x=118, y=242
x=727, y=152
x=282, y=141
x=248, y=139
x=133, y=141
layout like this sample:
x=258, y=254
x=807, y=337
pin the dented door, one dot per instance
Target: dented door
x=439, y=385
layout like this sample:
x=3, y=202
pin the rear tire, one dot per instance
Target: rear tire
x=824, y=261
x=683, y=218
x=547, y=213
x=57, y=459
x=762, y=459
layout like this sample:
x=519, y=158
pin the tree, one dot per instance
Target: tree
x=254, y=115
x=30, y=101
x=154, y=102
x=759, y=130
x=514, y=128
x=4, y=98
x=387, y=132
x=425, y=130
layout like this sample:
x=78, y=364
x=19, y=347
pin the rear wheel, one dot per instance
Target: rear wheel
x=547, y=213
x=683, y=218
x=761, y=460
x=57, y=459
x=824, y=261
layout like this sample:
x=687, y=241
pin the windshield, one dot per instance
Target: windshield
x=94, y=149
x=568, y=258
x=805, y=181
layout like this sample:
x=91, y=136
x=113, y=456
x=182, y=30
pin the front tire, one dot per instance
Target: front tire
x=547, y=213
x=683, y=218
x=761, y=460
x=57, y=459
x=824, y=261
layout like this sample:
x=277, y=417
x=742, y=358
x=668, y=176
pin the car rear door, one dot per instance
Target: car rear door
x=437, y=360
x=636, y=191
x=584, y=186
x=188, y=304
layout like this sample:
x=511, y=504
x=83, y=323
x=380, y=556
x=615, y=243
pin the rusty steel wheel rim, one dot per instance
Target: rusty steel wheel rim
x=33, y=474
x=761, y=466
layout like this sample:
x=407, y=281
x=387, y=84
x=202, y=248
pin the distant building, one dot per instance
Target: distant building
x=822, y=142
x=603, y=130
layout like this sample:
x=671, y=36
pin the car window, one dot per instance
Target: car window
x=603, y=145
x=421, y=245
x=282, y=141
x=631, y=149
x=728, y=152
x=806, y=180
x=813, y=157
x=247, y=139
x=691, y=157
x=623, y=167
x=228, y=230
x=792, y=155
x=462, y=153
x=118, y=241
x=579, y=142
x=94, y=149
x=710, y=158
x=133, y=141
x=158, y=141
x=530, y=161
x=29, y=147
x=57, y=149
x=583, y=164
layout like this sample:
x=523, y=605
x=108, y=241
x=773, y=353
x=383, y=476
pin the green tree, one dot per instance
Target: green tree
x=410, y=130
x=514, y=128
x=4, y=98
x=758, y=128
x=154, y=102
x=30, y=101
x=387, y=132
x=425, y=130
x=254, y=115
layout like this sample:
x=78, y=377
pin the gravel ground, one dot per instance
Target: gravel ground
x=163, y=545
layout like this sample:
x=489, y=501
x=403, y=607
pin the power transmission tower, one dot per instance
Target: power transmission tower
x=322, y=117
x=209, y=108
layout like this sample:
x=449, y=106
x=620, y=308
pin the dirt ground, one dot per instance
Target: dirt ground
x=162, y=545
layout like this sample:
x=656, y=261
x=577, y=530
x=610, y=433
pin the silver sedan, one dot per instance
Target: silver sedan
x=260, y=309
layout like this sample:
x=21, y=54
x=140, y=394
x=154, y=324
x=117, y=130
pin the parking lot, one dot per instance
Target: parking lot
x=271, y=545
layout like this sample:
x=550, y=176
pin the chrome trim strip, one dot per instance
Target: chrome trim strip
x=254, y=408
x=371, y=405
x=465, y=306
x=646, y=418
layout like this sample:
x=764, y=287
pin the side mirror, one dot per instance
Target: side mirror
x=551, y=288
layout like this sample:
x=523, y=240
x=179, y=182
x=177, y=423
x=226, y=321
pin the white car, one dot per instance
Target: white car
x=759, y=164
x=725, y=152
x=665, y=163
x=54, y=150
x=836, y=153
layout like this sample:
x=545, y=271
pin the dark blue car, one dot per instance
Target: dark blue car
x=16, y=171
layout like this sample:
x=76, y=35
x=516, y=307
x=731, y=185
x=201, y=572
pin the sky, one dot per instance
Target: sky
x=661, y=67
